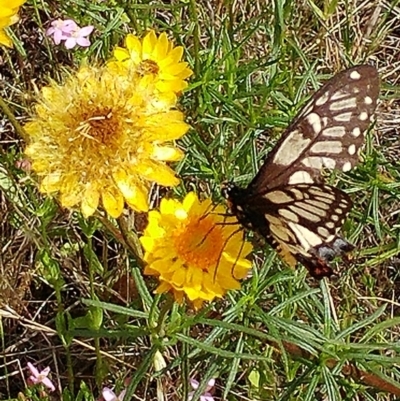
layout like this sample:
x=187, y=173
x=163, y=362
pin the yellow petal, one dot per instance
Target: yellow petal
x=237, y=261
x=139, y=200
x=179, y=296
x=169, y=206
x=148, y=270
x=135, y=48
x=197, y=276
x=154, y=216
x=6, y=12
x=161, y=48
x=10, y=7
x=50, y=183
x=211, y=285
x=168, y=117
x=90, y=201
x=13, y=19
x=147, y=243
x=190, y=199
x=167, y=153
x=70, y=199
x=174, y=56
x=163, y=287
x=5, y=39
x=113, y=201
x=121, y=54
x=134, y=192
x=227, y=281
x=194, y=293
x=178, y=278
x=12, y=3
x=174, y=69
x=176, y=85
x=154, y=231
x=159, y=173
x=185, y=73
x=149, y=43
x=165, y=101
x=169, y=131
x=48, y=94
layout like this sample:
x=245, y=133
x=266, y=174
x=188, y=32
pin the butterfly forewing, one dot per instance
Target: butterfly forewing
x=327, y=133
x=287, y=202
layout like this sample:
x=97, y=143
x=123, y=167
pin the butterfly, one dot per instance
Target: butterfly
x=288, y=202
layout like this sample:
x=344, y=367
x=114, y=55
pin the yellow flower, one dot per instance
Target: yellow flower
x=154, y=58
x=195, y=250
x=8, y=16
x=95, y=138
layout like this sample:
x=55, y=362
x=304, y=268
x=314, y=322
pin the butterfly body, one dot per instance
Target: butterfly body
x=287, y=202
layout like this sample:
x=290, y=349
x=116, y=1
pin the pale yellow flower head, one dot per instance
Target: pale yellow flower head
x=8, y=16
x=155, y=60
x=101, y=138
x=195, y=250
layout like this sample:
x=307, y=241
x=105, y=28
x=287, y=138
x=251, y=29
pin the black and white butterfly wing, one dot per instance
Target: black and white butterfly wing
x=287, y=202
x=301, y=221
x=304, y=221
x=327, y=133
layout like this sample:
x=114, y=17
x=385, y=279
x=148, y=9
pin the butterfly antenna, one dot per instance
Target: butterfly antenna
x=213, y=207
x=224, y=223
x=237, y=257
x=209, y=211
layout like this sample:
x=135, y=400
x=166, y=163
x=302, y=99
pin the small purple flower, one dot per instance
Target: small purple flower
x=78, y=37
x=109, y=395
x=40, y=377
x=206, y=396
x=68, y=31
x=61, y=29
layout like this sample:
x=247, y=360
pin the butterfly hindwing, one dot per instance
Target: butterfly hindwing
x=306, y=224
x=305, y=215
x=298, y=220
x=327, y=133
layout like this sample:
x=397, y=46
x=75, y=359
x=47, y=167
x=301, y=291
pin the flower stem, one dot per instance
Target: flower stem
x=93, y=295
x=17, y=126
x=196, y=36
x=131, y=13
x=132, y=240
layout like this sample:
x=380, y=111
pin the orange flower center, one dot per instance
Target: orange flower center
x=101, y=127
x=147, y=67
x=200, y=243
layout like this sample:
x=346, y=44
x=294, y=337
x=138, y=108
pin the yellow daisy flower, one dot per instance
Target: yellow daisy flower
x=155, y=58
x=8, y=16
x=96, y=139
x=195, y=250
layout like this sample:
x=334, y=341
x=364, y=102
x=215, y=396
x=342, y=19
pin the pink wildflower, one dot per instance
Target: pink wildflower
x=206, y=396
x=24, y=164
x=109, y=395
x=61, y=30
x=77, y=37
x=40, y=377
